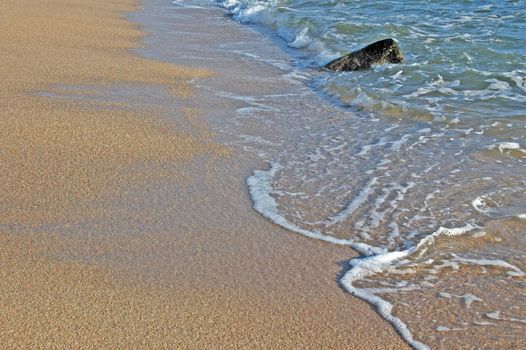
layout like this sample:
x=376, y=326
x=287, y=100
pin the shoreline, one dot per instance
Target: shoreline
x=119, y=229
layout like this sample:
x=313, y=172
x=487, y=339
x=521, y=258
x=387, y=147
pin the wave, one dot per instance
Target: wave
x=374, y=260
x=450, y=63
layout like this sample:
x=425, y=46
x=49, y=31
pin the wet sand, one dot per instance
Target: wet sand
x=123, y=224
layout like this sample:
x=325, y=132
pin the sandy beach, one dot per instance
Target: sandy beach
x=124, y=223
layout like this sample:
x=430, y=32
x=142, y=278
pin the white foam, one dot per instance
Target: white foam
x=496, y=84
x=518, y=77
x=494, y=315
x=442, y=231
x=353, y=205
x=243, y=12
x=267, y=201
x=368, y=266
x=444, y=295
x=301, y=40
x=497, y=316
x=515, y=271
x=269, y=13
x=467, y=299
x=366, y=148
x=480, y=205
x=260, y=188
x=504, y=146
x=375, y=260
x=377, y=215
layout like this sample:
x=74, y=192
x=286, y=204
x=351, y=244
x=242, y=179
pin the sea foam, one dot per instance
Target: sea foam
x=375, y=260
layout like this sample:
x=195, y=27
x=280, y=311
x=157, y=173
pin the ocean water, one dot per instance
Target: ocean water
x=419, y=166
x=456, y=53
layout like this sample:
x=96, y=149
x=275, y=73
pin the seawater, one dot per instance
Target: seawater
x=463, y=59
x=419, y=166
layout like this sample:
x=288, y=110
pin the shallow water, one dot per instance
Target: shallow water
x=420, y=167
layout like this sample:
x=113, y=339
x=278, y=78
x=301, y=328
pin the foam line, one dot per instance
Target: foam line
x=355, y=203
x=374, y=260
x=260, y=188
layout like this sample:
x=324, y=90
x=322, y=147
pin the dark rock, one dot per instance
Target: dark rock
x=380, y=52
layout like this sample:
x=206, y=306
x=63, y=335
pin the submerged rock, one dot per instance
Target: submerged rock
x=380, y=52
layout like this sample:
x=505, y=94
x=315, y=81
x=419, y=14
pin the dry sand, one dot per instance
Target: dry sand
x=58, y=155
x=110, y=232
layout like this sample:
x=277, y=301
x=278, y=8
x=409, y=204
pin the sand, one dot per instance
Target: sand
x=121, y=229
x=56, y=154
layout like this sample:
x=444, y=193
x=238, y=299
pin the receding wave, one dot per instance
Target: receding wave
x=419, y=166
